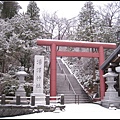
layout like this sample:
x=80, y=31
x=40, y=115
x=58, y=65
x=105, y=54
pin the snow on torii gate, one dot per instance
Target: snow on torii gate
x=84, y=44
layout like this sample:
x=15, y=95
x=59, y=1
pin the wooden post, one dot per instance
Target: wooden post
x=53, y=70
x=101, y=72
x=78, y=99
x=47, y=100
x=18, y=100
x=75, y=99
x=3, y=99
x=32, y=100
x=62, y=99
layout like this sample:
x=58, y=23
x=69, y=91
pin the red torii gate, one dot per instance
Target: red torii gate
x=84, y=44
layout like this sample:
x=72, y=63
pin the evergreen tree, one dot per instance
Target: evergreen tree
x=87, y=21
x=33, y=10
x=5, y=33
x=27, y=31
x=9, y=9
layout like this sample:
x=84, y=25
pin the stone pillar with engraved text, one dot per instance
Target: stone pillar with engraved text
x=38, y=80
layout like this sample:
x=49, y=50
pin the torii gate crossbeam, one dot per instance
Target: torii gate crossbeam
x=84, y=44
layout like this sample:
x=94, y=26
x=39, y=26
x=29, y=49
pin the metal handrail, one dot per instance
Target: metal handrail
x=67, y=79
x=69, y=82
x=60, y=66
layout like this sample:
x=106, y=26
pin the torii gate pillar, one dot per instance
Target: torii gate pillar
x=101, y=72
x=53, y=70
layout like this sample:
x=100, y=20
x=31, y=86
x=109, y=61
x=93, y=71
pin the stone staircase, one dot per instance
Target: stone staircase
x=68, y=85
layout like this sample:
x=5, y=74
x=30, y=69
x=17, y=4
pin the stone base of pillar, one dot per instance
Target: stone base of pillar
x=39, y=98
x=111, y=95
x=111, y=98
x=21, y=92
x=107, y=103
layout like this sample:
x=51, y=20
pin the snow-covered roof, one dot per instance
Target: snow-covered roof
x=112, y=57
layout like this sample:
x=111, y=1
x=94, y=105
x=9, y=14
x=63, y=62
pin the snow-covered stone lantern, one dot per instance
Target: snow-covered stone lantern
x=118, y=68
x=21, y=76
x=118, y=71
x=111, y=95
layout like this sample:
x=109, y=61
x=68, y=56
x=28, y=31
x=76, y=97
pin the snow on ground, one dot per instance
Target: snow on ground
x=75, y=111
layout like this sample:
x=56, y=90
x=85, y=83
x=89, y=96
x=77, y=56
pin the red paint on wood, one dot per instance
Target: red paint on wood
x=77, y=54
x=102, y=81
x=83, y=44
x=53, y=71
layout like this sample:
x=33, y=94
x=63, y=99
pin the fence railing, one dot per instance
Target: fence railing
x=76, y=98
x=18, y=100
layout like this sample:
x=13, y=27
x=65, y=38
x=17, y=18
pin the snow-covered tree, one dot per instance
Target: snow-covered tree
x=33, y=10
x=26, y=31
x=5, y=34
x=109, y=13
x=49, y=23
x=87, y=23
x=9, y=9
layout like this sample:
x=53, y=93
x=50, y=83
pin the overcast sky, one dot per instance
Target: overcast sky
x=67, y=9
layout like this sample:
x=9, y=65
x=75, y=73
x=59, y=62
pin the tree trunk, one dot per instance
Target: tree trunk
x=48, y=71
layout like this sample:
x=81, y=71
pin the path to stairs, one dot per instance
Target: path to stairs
x=63, y=86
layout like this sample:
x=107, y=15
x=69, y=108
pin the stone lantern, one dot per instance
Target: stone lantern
x=111, y=95
x=21, y=76
x=118, y=71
